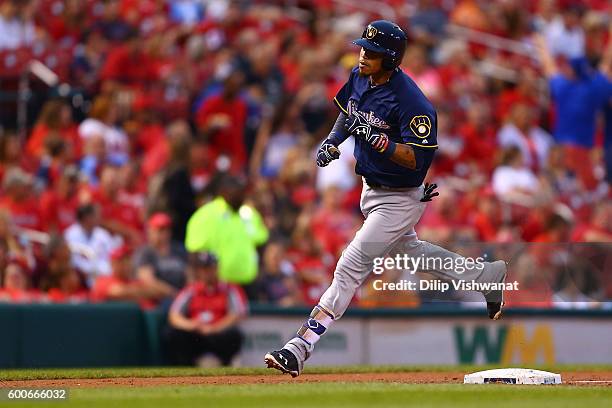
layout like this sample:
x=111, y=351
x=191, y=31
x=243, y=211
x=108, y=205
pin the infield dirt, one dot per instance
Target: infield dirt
x=598, y=378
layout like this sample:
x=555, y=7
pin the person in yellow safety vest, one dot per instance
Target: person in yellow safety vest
x=229, y=229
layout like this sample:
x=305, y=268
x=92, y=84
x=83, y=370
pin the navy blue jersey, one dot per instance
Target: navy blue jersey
x=399, y=109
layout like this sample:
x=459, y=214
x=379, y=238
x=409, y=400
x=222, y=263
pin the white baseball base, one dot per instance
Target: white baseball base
x=512, y=376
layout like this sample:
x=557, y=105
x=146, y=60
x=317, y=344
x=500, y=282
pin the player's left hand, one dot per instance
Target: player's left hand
x=428, y=192
x=327, y=153
x=357, y=125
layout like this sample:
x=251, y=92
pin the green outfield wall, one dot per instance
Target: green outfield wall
x=121, y=334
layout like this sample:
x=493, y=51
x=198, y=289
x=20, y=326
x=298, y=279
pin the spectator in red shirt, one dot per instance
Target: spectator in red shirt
x=222, y=118
x=487, y=218
x=599, y=226
x=204, y=316
x=56, y=117
x=443, y=223
x=19, y=200
x=11, y=153
x=312, y=263
x=15, y=284
x=332, y=225
x=117, y=217
x=525, y=92
x=478, y=134
x=133, y=187
x=122, y=285
x=128, y=64
x=61, y=281
x=70, y=23
x=558, y=228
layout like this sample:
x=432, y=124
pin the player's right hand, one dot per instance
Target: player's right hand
x=357, y=125
x=429, y=192
x=327, y=153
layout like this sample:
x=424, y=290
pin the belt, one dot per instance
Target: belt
x=373, y=184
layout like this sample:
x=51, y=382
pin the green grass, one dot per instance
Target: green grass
x=144, y=372
x=338, y=395
x=319, y=395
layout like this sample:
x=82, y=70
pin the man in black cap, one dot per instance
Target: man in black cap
x=204, y=316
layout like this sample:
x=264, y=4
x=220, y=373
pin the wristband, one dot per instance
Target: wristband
x=390, y=149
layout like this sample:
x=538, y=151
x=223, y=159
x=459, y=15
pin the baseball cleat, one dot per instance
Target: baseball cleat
x=283, y=360
x=495, y=298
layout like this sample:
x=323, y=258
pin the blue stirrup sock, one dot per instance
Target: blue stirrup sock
x=319, y=321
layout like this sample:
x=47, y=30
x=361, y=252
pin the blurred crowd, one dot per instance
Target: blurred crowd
x=175, y=117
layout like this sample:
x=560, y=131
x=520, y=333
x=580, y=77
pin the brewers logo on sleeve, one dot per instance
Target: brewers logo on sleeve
x=421, y=126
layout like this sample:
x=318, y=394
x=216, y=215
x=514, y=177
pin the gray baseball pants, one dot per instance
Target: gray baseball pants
x=387, y=230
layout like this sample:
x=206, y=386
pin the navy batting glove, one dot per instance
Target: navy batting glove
x=428, y=192
x=357, y=125
x=327, y=153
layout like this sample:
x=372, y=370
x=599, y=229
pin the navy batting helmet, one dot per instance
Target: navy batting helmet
x=387, y=38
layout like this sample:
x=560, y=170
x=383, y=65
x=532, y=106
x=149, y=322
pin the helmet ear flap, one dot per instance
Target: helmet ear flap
x=388, y=64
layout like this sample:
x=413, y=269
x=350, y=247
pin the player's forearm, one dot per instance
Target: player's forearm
x=401, y=154
x=339, y=133
x=404, y=156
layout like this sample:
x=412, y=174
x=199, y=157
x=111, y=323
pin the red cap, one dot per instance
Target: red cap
x=160, y=220
x=121, y=252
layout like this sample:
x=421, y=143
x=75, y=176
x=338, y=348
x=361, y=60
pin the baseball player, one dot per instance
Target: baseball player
x=394, y=127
